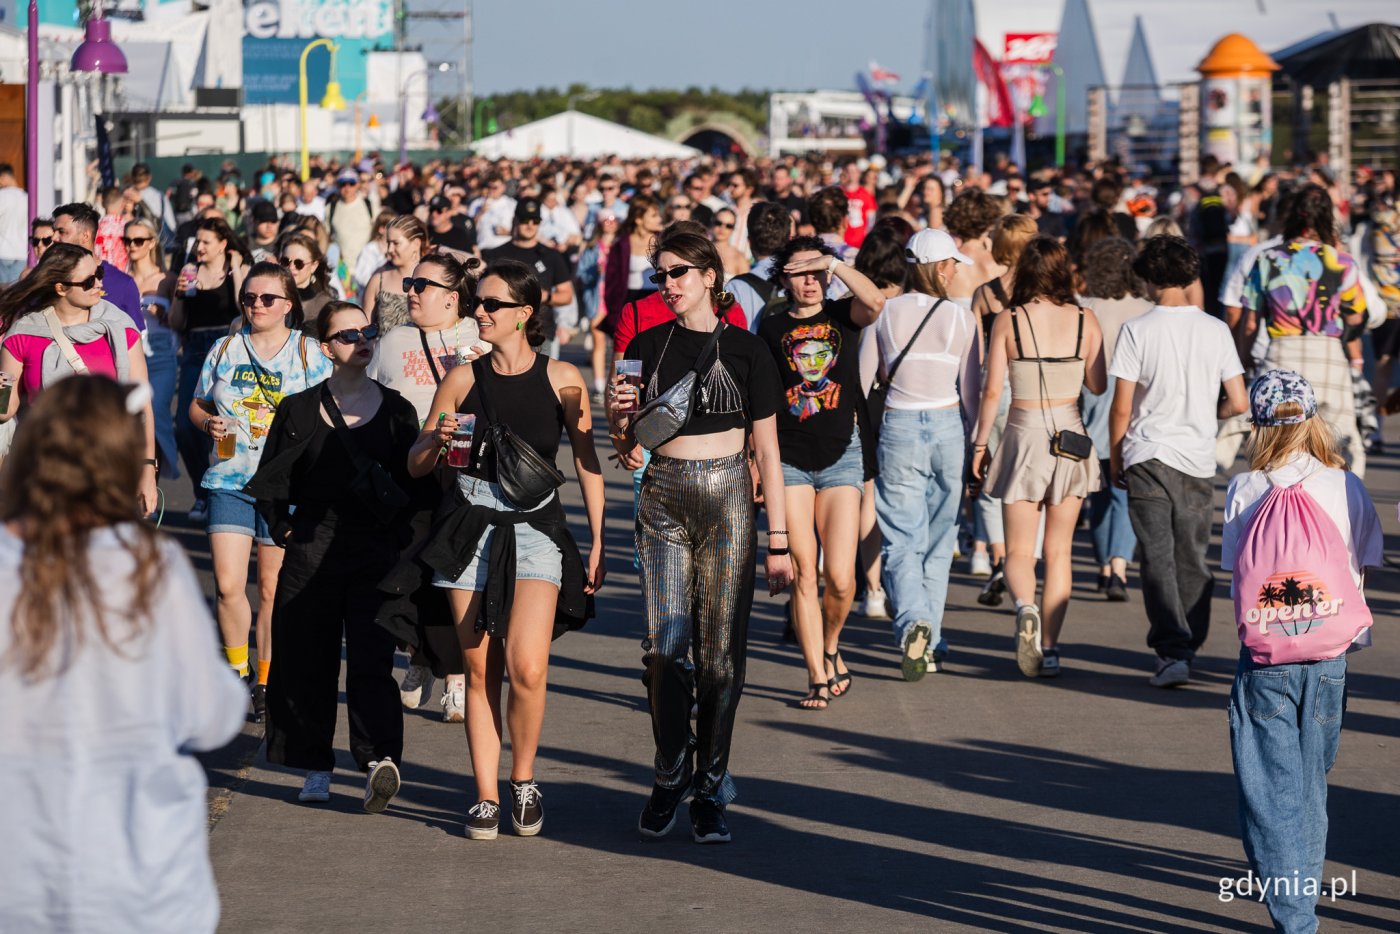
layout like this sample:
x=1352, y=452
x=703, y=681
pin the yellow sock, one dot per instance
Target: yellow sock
x=237, y=656
x=264, y=665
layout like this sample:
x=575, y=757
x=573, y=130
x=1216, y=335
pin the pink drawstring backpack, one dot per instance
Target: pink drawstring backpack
x=1295, y=599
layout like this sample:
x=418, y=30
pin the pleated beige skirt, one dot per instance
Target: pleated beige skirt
x=1024, y=469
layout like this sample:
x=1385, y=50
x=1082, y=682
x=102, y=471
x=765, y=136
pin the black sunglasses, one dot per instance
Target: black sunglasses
x=493, y=305
x=727, y=225
x=248, y=299
x=87, y=283
x=40, y=241
x=411, y=284
x=675, y=272
x=297, y=264
x=137, y=241
x=355, y=335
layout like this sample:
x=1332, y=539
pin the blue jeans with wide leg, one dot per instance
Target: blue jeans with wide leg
x=916, y=502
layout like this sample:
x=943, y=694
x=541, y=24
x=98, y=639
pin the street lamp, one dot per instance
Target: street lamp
x=333, y=100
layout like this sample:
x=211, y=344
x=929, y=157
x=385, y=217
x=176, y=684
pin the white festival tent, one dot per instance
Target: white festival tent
x=581, y=136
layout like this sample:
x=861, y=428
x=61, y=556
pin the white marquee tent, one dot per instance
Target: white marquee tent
x=581, y=136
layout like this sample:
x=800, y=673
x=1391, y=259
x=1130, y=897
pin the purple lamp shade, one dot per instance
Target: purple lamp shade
x=431, y=115
x=98, y=52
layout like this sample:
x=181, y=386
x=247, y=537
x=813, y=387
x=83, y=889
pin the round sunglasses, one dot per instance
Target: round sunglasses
x=297, y=264
x=266, y=299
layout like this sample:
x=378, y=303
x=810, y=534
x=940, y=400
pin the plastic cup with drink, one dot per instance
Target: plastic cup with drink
x=7, y=388
x=459, y=446
x=189, y=280
x=225, y=444
x=629, y=389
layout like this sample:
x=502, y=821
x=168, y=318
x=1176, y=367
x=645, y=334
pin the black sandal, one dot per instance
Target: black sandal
x=814, y=694
x=837, y=679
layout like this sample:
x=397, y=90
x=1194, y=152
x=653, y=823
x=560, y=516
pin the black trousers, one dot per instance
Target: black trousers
x=1171, y=514
x=325, y=593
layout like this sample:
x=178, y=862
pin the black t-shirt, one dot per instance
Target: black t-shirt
x=742, y=389
x=460, y=237
x=818, y=361
x=548, y=264
x=795, y=205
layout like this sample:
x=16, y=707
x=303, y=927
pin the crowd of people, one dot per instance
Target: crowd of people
x=852, y=374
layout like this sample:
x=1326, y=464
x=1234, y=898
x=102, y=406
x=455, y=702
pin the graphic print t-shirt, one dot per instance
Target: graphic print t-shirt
x=400, y=364
x=247, y=392
x=819, y=363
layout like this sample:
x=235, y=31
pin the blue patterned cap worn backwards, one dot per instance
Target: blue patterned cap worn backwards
x=1275, y=388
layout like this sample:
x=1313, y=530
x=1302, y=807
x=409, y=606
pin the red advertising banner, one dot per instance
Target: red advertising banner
x=1029, y=48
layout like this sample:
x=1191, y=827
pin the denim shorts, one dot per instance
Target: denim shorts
x=849, y=470
x=232, y=511
x=537, y=558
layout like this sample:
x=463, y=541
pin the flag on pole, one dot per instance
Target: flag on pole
x=999, y=108
x=104, y=154
x=882, y=75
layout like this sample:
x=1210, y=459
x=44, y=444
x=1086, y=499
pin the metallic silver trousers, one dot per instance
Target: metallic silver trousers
x=695, y=539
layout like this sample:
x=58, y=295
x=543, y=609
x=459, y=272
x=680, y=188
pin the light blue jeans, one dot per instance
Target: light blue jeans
x=916, y=502
x=1285, y=725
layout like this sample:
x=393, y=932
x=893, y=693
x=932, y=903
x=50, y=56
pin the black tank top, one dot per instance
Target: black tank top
x=526, y=402
x=211, y=308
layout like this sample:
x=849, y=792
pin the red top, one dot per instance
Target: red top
x=651, y=311
x=860, y=206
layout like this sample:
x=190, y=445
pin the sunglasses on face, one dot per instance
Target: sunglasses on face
x=411, y=284
x=297, y=264
x=87, y=283
x=355, y=335
x=248, y=299
x=675, y=272
x=680, y=205
x=137, y=241
x=724, y=225
x=493, y=305
x=41, y=241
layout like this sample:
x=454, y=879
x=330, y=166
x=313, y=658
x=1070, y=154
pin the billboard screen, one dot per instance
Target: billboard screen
x=277, y=31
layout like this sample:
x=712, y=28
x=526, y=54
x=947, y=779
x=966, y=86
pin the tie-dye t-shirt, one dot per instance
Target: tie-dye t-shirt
x=1304, y=287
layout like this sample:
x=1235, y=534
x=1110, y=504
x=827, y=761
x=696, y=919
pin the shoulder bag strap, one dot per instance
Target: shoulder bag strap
x=1052, y=429
x=64, y=344
x=1016, y=333
x=432, y=361
x=894, y=367
x=342, y=431
x=1079, y=336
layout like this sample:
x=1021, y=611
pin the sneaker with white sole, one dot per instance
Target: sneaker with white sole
x=980, y=564
x=382, y=785
x=993, y=590
x=876, y=605
x=316, y=789
x=1171, y=673
x=912, y=664
x=936, y=656
x=483, y=821
x=416, y=687
x=454, y=702
x=1028, y=654
x=526, y=808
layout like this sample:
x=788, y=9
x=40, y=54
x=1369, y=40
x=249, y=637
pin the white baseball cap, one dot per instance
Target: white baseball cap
x=933, y=246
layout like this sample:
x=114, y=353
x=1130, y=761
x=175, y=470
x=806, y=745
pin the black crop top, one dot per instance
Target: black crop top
x=740, y=383
x=526, y=402
x=211, y=308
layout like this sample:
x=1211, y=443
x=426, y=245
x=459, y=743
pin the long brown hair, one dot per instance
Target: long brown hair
x=37, y=291
x=270, y=270
x=1044, y=271
x=321, y=278
x=57, y=486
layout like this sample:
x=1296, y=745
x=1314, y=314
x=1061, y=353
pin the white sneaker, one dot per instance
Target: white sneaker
x=1028, y=654
x=316, y=789
x=417, y=686
x=381, y=786
x=454, y=702
x=874, y=606
x=980, y=564
x=1171, y=673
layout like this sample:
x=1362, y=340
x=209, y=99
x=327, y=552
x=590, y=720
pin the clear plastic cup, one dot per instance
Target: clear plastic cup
x=631, y=373
x=459, y=446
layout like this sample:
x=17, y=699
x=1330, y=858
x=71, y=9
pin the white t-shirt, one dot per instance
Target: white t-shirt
x=14, y=223
x=1339, y=493
x=1178, y=356
x=489, y=215
x=400, y=364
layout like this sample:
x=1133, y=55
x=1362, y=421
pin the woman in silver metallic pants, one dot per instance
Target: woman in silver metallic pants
x=696, y=528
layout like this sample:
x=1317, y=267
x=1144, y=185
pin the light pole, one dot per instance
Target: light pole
x=31, y=118
x=1059, y=74
x=332, y=101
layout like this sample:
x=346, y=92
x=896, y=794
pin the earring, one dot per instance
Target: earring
x=520, y=325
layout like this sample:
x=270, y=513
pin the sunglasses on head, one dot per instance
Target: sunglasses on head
x=297, y=264
x=493, y=305
x=40, y=241
x=354, y=335
x=248, y=299
x=675, y=272
x=418, y=284
x=87, y=283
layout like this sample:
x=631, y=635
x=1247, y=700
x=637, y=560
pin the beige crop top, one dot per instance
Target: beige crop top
x=1063, y=376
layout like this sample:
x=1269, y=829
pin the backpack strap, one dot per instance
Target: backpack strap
x=764, y=287
x=223, y=346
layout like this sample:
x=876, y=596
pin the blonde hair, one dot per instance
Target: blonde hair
x=1161, y=227
x=923, y=277
x=1271, y=446
x=1010, y=236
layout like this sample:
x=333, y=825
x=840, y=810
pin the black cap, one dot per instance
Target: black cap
x=439, y=203
x=527, y=209
x=1039, y=184
x=264, y=211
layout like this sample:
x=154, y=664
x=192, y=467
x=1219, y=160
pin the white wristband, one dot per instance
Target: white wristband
x=831, y=268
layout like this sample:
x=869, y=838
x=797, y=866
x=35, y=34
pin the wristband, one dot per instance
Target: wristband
x=151, y=461
x=207, y=420
x=778, y=552
x=778, y=532
x=831, y=267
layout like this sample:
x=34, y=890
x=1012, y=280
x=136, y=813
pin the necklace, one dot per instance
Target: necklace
x=530, y=363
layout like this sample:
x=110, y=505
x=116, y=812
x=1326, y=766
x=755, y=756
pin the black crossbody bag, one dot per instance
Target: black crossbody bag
x=666, y=416
x=875, y=398
x=526, y=479
x=372, y=484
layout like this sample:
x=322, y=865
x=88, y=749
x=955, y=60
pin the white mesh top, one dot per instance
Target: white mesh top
x=943, y=367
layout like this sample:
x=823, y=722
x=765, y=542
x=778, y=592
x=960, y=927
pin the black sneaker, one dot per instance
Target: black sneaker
x=659, y=816
x=995, y=587
x=259, y=703
x=1117, y=589
x=526, y=812
x=484, y=820
x=707, y=823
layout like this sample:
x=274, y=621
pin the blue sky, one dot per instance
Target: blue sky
x=786, y=45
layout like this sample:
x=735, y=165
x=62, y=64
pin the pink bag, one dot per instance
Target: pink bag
x=1295, y=599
